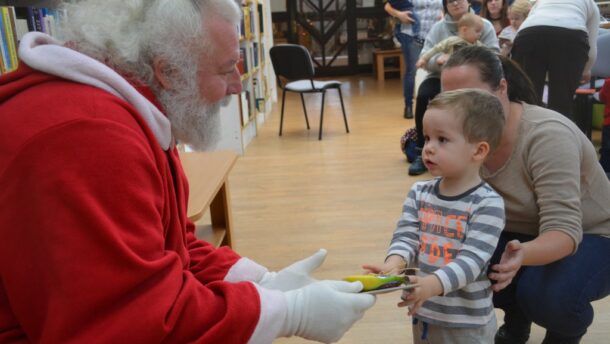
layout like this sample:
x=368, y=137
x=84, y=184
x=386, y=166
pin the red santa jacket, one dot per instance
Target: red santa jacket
x=95, y=245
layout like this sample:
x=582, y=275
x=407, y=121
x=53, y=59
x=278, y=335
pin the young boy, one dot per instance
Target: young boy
x=517, y=12
x=450, y=225
x=470, y=27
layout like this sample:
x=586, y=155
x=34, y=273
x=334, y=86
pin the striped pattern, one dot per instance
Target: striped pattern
x=453, y=238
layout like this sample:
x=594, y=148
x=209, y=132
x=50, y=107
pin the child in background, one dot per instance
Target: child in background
x=604, y=151
x=406, y=5
x=517, y=13
x=470, y=27
x=450, y=225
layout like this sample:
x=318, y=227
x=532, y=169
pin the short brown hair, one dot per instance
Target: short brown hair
x=481, y=113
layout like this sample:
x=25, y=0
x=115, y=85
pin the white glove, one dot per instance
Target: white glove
x=324, y=310
x=294, y=276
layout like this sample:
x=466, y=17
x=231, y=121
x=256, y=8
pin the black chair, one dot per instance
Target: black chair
x=293, y=64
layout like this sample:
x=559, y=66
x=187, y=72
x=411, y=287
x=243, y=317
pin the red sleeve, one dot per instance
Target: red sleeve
x=84, y=255
x=604, y=93
x=207, y=262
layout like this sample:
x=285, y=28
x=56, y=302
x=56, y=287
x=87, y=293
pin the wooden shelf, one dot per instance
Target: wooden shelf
x=208, y=175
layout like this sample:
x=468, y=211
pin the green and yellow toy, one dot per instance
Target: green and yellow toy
x=376, y=282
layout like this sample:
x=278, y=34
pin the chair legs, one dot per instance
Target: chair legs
x=321, y=111
x=282, y=115
x=321, y=115
x=304, y=110
x=343, y=109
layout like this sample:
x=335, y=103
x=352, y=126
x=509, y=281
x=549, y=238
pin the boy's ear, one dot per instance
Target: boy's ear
x=481, y=151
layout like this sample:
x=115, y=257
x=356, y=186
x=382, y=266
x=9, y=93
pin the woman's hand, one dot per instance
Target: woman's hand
x=586, y=77
x=509, y=265
x=427, y=287
x=404, y=17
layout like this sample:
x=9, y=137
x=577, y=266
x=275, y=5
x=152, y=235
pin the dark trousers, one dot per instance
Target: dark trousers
x=428, y=89
x=557, y=296
x=562, y=53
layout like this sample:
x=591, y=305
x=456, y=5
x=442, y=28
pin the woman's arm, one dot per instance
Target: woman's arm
x=404, y=17
x=548, y=247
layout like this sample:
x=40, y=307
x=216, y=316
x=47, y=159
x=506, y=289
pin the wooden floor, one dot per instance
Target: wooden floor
x=292, y=195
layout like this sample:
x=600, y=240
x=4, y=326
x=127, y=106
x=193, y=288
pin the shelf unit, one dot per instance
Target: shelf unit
x=246, y=112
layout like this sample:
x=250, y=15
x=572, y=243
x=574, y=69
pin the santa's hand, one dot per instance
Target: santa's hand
x=294, y=276
x=324, y=310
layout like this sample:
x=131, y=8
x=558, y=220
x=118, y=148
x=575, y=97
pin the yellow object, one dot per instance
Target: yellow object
x=373, y=282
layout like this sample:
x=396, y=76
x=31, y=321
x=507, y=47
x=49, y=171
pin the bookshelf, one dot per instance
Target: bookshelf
x=18, y=18
x=246, y=112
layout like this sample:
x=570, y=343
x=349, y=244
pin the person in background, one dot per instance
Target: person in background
x=556, y=242
x=95, y=243
x=406, y=6
x=517, y=12
x=470, y=27
x=430, y=87
x=476, y=6
x=428, y=12
x=604, y=150
x=558, y=42
x=450, y=225
x=496, y=11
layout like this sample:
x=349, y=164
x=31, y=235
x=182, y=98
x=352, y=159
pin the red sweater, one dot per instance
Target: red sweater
x=95, y=245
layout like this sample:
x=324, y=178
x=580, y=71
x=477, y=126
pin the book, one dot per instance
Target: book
x=26, y=13
x=9, y=22
x=4, y=50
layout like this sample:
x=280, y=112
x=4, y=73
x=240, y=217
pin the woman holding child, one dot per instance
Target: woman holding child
x=430, y=87
x=553, y=257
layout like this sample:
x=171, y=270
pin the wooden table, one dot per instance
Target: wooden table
x=208, y=174
x=379, y=57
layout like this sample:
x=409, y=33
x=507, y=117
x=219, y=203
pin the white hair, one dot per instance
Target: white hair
x=128, y=34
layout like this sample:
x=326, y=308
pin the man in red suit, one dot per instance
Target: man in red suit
x=95, y=244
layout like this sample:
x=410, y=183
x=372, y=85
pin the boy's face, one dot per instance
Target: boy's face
x=471, y=33
x=515, y=20
x=446, y=151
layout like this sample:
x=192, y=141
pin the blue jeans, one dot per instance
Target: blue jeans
x=410, y=52
x=557, y=296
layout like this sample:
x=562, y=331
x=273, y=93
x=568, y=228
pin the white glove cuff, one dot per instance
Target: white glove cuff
x=245, y=270
x=272, y=317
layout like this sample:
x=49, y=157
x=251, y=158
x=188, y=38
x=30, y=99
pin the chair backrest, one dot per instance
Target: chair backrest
x=601, y=68
x=292, y=62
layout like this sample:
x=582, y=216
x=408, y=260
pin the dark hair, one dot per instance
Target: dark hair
x=480, y=111
x=492, y=68
x=503, y=12
x=445, y=6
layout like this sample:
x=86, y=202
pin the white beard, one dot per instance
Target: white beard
x=194, y=121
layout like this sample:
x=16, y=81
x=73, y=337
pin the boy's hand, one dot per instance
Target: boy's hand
x=393, y=265
x=420, y=63
x=427, y=287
